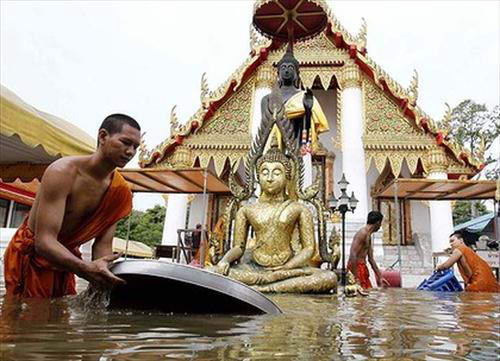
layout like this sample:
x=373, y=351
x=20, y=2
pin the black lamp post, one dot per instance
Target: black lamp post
x=343, y=205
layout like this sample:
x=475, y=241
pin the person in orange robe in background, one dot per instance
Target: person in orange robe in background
x=80, y=198
x=475, y=271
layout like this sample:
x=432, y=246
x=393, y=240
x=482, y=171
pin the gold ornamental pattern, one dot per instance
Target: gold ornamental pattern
x=232, y=117
x=383, y=116
x=315, y=51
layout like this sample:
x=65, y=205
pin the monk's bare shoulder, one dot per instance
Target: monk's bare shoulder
x=62, y=172
x=361, y=235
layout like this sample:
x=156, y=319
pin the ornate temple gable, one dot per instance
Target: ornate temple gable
x=226, y=135
x=316, y=51
x=390, y=137
x=318, y=57
x=321, y=59
x=383, y=117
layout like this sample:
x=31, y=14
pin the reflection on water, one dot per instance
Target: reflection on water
x=395, y=324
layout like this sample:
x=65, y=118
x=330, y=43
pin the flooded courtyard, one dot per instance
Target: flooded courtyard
x=389, y=324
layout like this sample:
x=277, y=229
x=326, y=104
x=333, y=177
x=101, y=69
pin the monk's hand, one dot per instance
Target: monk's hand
x=361, y=290
x=383, y=282
x=439, y=267
x=97, y=272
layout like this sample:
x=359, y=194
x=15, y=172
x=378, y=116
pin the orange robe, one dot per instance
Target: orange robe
x=482, y=279
x=31, y=275
x=363, y=274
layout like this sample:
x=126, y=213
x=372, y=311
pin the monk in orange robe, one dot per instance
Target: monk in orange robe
x=475, y=271
x=361, y=249
x=363, y=274
x=80, y=198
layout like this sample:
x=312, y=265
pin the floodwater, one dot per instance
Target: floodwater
x=389, y=324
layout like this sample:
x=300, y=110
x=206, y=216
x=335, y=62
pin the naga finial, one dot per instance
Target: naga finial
x=362, y=35
x=174, y=121
x=143, y=150
x=445, y=123
x=253, y=37
x=413, y=89
x=481, y=150
x=204, y=89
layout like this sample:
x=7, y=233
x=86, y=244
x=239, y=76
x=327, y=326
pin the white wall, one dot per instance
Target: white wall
x=328, y=101
x=420, y=217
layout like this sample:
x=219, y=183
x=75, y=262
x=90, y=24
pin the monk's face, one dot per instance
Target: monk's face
x=455, y=241
x=120, y=147
x=272, y=177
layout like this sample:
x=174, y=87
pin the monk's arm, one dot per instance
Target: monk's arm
x=306, y=228
x=357, y=244
x=378, y=275
x=455, y=256
x=103, y=244
x=55, y=188
x=371, y=259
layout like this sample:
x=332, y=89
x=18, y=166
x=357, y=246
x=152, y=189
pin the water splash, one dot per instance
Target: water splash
x=94, y=298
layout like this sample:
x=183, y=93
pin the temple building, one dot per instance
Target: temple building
x=377, y=132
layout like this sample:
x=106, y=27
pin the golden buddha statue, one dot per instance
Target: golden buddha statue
x=352, y=288
x=281, y=257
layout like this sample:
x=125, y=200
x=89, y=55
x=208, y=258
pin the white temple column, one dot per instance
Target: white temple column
x=441, y=218
x=175, y=218
x=263, y=84
x=353, y=153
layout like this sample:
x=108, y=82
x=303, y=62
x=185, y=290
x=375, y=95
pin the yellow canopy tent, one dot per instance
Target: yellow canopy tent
x=31, y=139
x=135, y=249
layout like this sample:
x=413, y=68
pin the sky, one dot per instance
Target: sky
x=83, y=60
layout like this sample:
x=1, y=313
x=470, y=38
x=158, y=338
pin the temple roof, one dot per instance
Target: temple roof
x=355, y=48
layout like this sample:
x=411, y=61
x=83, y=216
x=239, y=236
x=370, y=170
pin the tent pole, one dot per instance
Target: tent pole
x=128, y=229
x=496, y=217
x=398, y=228
x=204, y=241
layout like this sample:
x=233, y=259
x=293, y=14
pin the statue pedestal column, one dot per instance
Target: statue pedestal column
x=353, y=153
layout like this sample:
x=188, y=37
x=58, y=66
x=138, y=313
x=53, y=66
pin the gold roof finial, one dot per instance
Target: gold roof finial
x=481, y=150
x=253, y=37
x=445, y=123
x=413, y=89
x=362, y=34
x=143, y=150
x=174, y=122
x=204, y=89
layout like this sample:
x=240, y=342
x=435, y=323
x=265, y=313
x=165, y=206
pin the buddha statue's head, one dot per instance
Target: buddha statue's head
x=288, y=70
x=274, y=171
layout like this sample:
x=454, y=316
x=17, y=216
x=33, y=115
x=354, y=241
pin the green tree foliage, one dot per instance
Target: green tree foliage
x=462, y=211
x=472, y=124
x=475, y=129
x=146, y=227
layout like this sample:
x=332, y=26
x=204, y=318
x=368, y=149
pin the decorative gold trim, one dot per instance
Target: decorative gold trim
x=316, y=51
x=337, y=141
x=436, y=161
x=350, y=77
x=265, y=77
